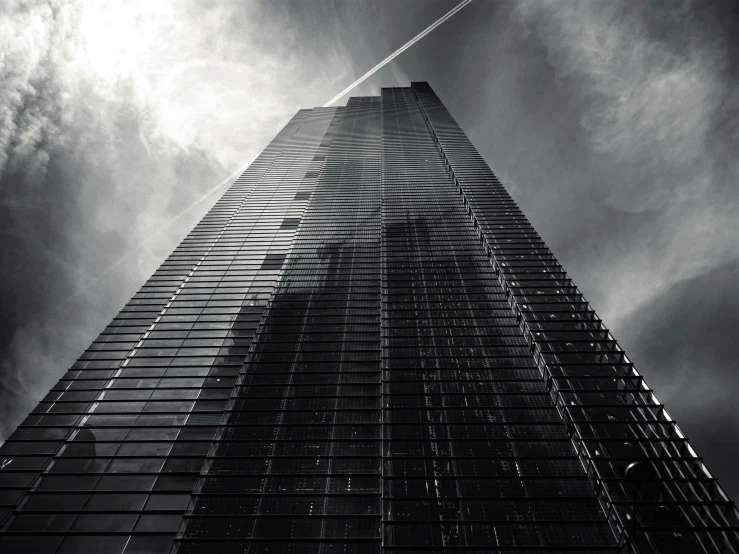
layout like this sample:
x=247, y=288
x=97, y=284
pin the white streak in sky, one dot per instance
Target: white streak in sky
x=399, y=51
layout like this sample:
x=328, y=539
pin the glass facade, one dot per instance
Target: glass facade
x=363, y=347
x=476, y=456
x=296, y=467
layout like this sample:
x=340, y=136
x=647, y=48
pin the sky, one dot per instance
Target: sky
x=613, y=124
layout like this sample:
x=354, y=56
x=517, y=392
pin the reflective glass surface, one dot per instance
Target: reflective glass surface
x=363, y=347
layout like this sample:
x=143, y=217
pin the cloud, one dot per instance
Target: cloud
x=210, y=76
x=656, y=94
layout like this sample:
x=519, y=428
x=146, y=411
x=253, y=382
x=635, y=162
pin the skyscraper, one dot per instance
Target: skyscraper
x=363, y=347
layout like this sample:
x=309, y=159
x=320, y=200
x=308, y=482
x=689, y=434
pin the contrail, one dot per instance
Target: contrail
x=154, y=234
x=399, y=51
x=243, y=168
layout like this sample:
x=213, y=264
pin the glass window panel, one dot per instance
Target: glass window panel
x=158, y=523
x=99, y=544
x=105, y=523
x=56, y=502
x=120, y=502
x=166, y=502
x=29, y=543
